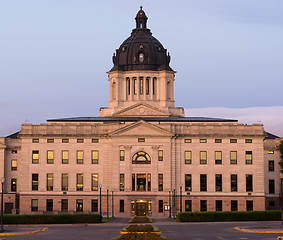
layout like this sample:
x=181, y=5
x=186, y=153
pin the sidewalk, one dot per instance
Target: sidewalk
x=10, y=230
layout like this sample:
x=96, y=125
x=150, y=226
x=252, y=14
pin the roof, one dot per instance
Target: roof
x=271, y=136
x=13, y=136
x=149, y=119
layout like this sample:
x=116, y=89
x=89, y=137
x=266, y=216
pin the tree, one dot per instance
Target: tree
x=281, y=156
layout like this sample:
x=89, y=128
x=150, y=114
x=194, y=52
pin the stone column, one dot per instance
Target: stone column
x=128, y=168
x=154, y=169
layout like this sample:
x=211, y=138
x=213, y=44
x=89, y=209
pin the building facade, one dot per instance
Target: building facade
x=141, y=156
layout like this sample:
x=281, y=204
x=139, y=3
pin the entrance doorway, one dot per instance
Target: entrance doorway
x=8, y=208
x=141, y=207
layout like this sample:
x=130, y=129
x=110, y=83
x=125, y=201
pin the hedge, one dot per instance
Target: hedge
x=274, y=215
x=52, y=218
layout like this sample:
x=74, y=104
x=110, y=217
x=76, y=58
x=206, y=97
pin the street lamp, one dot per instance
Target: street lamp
x=181, y=198
x=174, y=203
x=100, y=186
x=170, y=203
x=281, y=191
x=112, y=203
x=107, y=204
x=2, y=196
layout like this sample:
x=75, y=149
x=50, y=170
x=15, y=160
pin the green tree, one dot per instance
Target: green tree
x=281, y=156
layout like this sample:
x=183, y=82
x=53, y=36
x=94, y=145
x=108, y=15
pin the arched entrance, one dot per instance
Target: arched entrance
x=141, y=207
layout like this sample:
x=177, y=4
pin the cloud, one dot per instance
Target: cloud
x=270, y=117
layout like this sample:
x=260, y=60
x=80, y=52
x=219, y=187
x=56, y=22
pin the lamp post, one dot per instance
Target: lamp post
x=181, y=206
x=281, y=200
x=107, y=204
x=2, y=197
x=170, y=203
x=100, y=186
x=112, y=203
x=174, y=204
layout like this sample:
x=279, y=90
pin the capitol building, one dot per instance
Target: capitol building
x=141, y=155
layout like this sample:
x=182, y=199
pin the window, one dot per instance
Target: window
x=34, y=182
x=122, y=182
x=270, y=152
x=65, y=140
x=233, y=157
x=50, y=157
x=203, y=205
x=160, y=206
x=49, y=205
x=188, y=157
x=94, y=182
x=271, y=186
x=149, y=182
x=50, y=140
x=14, y=151
x=160, y=182
x=147, y=86
x=94, y=205
x=249, y=157
x=65, y=157
x=218, y=140
x=249, y=183
x=203, y=183
x=79, y=205
x=188, y=140
x=141, y=85
x=133, y=182
x=80, y=157
x=64, y=205
x=13, y=185
x=249, y=205
x=202, y=140
x=122, y=155
x=64, y=182
x=35, y=140
x=135, y=85
x=35, y=157
x=49, y=182
x=218, y=157
x=234, y=205
x=188, y=205
x=271, y=203
x=248, y=140
x=80, y=140
x=14, y=164
x=218, y=182
x=234, y=183
x=154, y=86
x=122, y=208
x=141, y=139
x=141, y=182
x=34, y=205
x=94, y=157
x=188, y=182
x=95, y=140
x=233, y=140
x=80, y=182
x=271, y=166
x=218, y=205
x=160, y=155
x=141, y=158
x=203, y=157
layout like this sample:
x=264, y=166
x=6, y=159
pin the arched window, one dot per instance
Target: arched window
x=113, y=90
x=141, y=158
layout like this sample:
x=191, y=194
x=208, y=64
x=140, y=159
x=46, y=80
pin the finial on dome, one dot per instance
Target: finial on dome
x=141, y=19
x=141, y=7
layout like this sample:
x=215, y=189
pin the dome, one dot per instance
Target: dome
x=141, y=51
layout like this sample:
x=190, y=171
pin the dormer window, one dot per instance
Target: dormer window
x=141, y=57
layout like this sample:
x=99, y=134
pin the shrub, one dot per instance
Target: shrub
x=140, y=228
x=273, y=215
x=145, y=236
x=140, y=220
x=52, y=218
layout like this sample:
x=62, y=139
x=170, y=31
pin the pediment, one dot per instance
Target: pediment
x=141, y=110
x=141, y=128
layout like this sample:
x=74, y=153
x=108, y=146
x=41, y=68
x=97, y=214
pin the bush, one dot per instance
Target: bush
x=52, y=218
x=140, y=228
x=140, y=220
x=274, y=215
x=145, y=236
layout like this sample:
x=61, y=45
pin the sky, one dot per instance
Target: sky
x=54, y=55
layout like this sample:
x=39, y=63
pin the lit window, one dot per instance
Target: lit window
x=35, y=157
x=94, y=157
x=160, y=155
x=122, y=182
x=218, y=140
x=64, y=182
x=50, y=140
x=65, y=140
x=218, y=157
x=34, y=182
x=160, y=182
x=188, y=182
x=65, y=157
x=141, y=158
x=80, y=183
x=233, y=157
x=270, y=152
x=35, y=140
x=14, y=164
x=80, y=140
x=80, y=157
x=50, y=157
x=188, y=157
x=188, y=140
x=13, y=185
x=203, y=157
x=14, y=151
x=248, y=140
x=94, y=182
x=49, y=182
x=202, y=140
x=249, y=157
x=79, y=205
x=122, y=155
x=141, y=57
x=95, y=140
